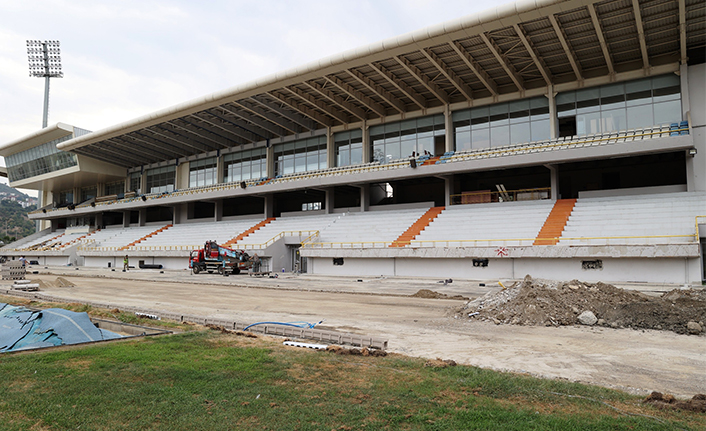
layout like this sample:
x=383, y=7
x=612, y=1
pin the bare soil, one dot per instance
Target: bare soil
x=535, y=302
x=638, y=361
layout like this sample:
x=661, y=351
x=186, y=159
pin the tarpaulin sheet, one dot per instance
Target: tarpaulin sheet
x=21, y=328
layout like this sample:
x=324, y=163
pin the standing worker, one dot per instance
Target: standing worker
x=126, y=263
x=256, y=263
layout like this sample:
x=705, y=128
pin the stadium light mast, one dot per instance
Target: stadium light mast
x=44, y=62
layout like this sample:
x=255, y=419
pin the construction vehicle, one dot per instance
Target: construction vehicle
x=217, y=258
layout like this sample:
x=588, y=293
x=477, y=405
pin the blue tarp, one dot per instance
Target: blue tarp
x=21, y=328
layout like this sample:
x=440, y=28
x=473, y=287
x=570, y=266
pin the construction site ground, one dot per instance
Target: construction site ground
x=420, y=317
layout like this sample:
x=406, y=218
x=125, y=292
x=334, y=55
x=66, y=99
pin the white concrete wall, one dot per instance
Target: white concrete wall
x=117, y=261
x=659, y=270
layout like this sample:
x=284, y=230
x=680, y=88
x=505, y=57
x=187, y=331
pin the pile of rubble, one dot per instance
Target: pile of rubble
x=555, y=303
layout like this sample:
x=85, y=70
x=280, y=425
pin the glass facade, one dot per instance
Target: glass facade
x=349, y=147
x=160, y=180
x=66, y=197
x=400, y=139
x=245, y=165
x=203, y=172
x=614, y=107
x=300, y=156
x=135, y=182
x=502, y=124
x=39, y=160
x=114, y=188
x=88, y=193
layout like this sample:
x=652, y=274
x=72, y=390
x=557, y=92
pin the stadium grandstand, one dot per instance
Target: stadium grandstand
x=560, y=138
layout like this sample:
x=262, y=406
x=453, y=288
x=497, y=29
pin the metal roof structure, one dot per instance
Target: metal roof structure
x=502, y=54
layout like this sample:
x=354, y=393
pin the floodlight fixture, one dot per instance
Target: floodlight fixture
x=44, y=62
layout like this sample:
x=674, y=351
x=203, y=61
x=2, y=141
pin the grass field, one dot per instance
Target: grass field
x=208, y=380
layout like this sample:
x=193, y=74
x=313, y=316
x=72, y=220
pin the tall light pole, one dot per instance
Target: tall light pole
x=44, y=62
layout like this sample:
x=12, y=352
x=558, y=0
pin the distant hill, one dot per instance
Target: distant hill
x=14, y=223
x=7, y=189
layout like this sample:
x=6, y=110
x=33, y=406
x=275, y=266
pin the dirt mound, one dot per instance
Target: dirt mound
x=666, y=401
x=430, y=294
x=542, y=302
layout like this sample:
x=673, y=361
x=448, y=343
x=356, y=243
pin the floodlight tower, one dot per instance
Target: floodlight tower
x=44, y=62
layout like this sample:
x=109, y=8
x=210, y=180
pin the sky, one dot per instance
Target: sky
x=124, y=59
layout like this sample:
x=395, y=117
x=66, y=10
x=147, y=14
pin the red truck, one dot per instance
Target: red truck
x=213, y=257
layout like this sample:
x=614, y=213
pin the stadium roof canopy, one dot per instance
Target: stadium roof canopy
x=513, y=51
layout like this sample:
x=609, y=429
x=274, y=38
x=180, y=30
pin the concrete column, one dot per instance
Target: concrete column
x=100, y=189
x=126, y=218
x=448, y=190
x=269, y=206
x=328, y=205
x=684, y=80
x=54, y=224
x=554, y=181
x=271, y=161
x=99, y=220
x=367, y=150
x=330, y=149
x=553, y=119
x=218, y=210
x=77, y=194
x=364, y=197
x=449, y=129
x=143, y=217
x=219, y=169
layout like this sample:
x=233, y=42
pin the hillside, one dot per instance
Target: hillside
x=14, y=223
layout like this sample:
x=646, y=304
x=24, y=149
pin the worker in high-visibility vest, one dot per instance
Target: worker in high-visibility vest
x=126, y=263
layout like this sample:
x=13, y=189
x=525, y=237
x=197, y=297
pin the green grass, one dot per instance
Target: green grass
x=206, y=380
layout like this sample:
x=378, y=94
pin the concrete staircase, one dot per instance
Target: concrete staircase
x=146, y=236
x=555, y=223
x=233, y=241
x=417, y=227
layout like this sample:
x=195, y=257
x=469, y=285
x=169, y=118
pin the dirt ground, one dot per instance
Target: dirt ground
x=635, y=360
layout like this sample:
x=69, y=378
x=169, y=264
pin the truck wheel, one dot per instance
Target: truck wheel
x=196, y=269
x=236, y=270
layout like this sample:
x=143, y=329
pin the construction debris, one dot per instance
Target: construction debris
x=554, y=303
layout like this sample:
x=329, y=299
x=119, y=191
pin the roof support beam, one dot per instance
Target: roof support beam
x=338, y=100
x=139, y=145
x=206, y=119
x=504, y=62
x=203, y=132
x=475, y=68
x=190, y=135
x=299, y=119
x=262, y=127
x=238, y=131
x=529, y=46
x=567, y=49
x=357, y=95
x=400, y=85
x=601, y=38
x=384, y=94
x=159, y=133
x=423, y=79
x=278, y=121
x=155, y=139
x=115, y=156
x=257, y=132
x=135, y=145
x=170, y=152
x=641, y=33
x=335, y=113
x=449, y=74
x=302, y=109
x=682, y=31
